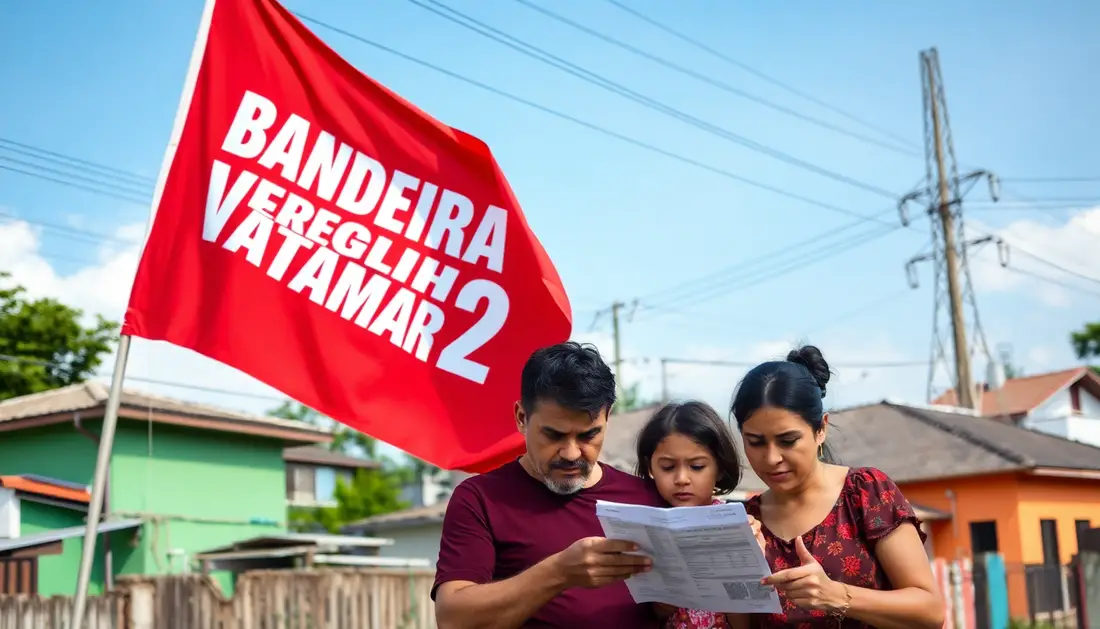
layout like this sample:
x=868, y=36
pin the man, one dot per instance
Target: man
x=521, y=545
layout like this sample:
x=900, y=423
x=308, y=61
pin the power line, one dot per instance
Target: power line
x=1051, y=280
x=745, y=279
x=588, y=76
x=852, y=365
x=1055, y=200
x=1027, y=207
x=761, y=75
x=726, y=87
x=710, y=278
x=77, y=186
x=1054, y=265
x=109, y=170
x=68, y=232
x=1085, y=179
x=125, y=188
x=584, y=123
x=167, y=383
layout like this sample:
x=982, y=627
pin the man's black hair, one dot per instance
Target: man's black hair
x=569, y=374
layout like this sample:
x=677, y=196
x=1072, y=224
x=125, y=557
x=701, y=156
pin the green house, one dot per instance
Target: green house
x=184, y=478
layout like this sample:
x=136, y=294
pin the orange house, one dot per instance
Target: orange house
x=994, y=487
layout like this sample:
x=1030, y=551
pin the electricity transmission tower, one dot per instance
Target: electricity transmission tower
x=941, y=194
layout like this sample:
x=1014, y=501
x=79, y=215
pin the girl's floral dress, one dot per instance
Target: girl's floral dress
x=869, y=507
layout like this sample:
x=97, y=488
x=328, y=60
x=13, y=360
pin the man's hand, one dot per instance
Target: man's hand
x=593, y=562
x=807, y=586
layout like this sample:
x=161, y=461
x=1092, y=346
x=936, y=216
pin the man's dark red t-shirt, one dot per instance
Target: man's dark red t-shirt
x=501, y=523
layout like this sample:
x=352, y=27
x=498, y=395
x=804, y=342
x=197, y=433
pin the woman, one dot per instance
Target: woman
x=844, y=544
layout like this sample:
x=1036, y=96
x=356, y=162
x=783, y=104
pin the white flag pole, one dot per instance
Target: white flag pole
x=110, y=416
x=102, y=469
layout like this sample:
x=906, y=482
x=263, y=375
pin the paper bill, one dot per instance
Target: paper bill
x=703, y=557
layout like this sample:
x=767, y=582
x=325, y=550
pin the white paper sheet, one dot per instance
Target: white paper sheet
x=703, y=557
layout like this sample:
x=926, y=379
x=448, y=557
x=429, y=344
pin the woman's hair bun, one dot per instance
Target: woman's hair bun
x=810, y=357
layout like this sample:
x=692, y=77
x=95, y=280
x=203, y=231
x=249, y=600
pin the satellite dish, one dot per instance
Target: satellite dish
x=995, y=374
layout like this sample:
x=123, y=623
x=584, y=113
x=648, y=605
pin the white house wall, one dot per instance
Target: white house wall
x=1090, y=406
x=413, y=542
x=1055, y=416
x=9, y=514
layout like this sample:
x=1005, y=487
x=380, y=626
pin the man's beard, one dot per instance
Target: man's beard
x=566, y=486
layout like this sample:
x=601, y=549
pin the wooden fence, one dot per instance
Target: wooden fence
x=33, y=612
x=275, y=599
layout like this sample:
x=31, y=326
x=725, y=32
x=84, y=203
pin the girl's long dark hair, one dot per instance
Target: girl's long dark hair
x=699, y=422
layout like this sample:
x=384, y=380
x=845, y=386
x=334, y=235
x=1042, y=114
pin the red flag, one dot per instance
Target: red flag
x=320, y=233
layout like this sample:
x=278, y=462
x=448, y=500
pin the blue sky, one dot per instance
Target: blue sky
x=101, y=82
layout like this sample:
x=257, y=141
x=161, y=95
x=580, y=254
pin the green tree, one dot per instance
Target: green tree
x=1086, y=342
x=44, y=344
x=370, y=493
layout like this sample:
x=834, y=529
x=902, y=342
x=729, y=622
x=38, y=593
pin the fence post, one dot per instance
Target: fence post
x=141, y=605
x=957, y=595
x=941, y=570
x=996, y=583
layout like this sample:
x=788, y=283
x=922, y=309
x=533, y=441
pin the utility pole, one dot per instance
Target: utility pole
x=964, y=388
x=943, y=195
x=664, y=381
x=615, y=308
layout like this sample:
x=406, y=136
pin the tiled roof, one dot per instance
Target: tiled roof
x=1022, y=395
x=57, y=535
x=92, y=395
x=914, y=443
x=406, y=517
x=43, y=487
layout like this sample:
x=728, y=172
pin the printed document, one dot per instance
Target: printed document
x=703, y=557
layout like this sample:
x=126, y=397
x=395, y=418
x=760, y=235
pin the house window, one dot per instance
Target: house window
x=1051, y=554
x=1075, y=399
x=983, y=537
x=325, y=487
x=301, y=485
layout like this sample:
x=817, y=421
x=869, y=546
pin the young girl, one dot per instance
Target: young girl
x=691, y=457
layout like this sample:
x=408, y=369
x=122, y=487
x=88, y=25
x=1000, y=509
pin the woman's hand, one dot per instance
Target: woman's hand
x=807, y=586
x=758, y=533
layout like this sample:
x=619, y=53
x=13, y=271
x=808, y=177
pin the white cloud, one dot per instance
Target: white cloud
x=1040, y=357
x=1071, y=245
x=104, y=288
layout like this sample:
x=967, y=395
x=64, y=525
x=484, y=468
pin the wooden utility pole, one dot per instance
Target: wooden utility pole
x=615, y=308
x=964, y=389
x=664, y=380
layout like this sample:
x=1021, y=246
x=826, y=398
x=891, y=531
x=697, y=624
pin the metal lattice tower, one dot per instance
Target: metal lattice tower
x=955, y=322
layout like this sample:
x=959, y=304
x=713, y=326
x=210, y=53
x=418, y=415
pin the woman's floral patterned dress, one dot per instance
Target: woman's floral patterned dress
x=870, y=506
